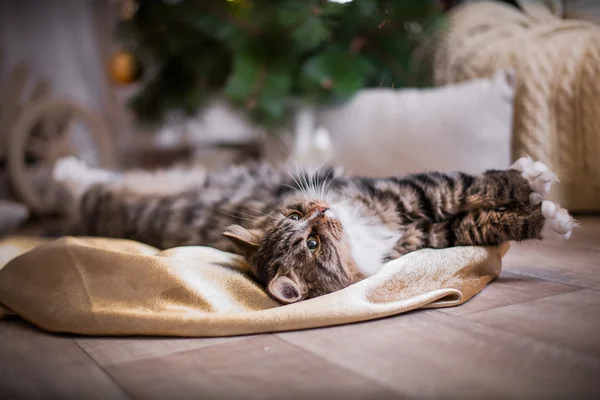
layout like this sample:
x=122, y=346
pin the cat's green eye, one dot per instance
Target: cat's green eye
x=295, y=216
x=312, y=243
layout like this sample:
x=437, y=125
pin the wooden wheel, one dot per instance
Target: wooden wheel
x=44, y=132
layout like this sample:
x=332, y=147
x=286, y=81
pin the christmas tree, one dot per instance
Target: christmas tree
x=268, y=57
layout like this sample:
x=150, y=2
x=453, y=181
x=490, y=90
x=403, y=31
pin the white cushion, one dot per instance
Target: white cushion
x=464, y=126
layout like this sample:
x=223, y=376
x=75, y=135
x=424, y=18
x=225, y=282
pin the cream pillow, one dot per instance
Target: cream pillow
x=464, y=126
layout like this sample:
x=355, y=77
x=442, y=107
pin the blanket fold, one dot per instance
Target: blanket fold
x=98, y=286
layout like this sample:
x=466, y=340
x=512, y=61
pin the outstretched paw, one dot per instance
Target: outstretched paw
x=69, y=170
x=77, y=176
x=558, y=220
x=538, y=175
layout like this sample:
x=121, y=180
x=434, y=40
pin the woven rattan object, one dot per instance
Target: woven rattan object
x=557, y=103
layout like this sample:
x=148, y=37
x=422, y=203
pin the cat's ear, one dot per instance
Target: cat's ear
x=246, y=240
x=284, y=289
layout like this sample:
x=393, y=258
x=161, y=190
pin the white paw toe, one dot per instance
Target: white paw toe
x=542, y=182
x=68, y=169
x=77, y=176
x=539, y=166
x=538, y=175
x=558, y=220
x=563, y=221
x=522, y=164
x=549, y=209
x=535, y=198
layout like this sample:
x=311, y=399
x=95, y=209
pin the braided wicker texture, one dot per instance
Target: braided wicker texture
x=557, y=103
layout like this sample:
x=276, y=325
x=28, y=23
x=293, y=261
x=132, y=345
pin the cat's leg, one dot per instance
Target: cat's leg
x=487, y=228
x=493, y=227
x=132, y=205
x=161, y=221
x=76, y=176
x=525, y=183
x=439, y=196
x=82, y=181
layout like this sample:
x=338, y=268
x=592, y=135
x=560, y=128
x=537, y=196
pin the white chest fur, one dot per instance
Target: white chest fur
x=369, y=239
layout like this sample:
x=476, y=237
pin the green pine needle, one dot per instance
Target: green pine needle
x=265, y=55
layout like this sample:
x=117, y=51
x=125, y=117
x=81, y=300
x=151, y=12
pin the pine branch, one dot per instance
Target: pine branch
x=393, y=65
x=258, y=86
x=261, y=52
x=232, y=19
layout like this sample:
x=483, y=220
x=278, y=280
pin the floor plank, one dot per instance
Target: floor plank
x=534, y=333
x=111, y=351
x=587, y=234
x=571, y=262
x=431, y=354
x=570, y=320
x=37, y=365
x=510, y=289
x=568, y=266
x=264, y=367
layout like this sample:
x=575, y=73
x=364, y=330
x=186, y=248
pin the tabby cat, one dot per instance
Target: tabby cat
x=306, y=235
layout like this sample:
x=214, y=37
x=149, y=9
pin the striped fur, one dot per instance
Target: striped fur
x=255, y=206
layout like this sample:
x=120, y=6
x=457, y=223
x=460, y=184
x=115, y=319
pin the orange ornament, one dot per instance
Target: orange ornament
x=124, y=68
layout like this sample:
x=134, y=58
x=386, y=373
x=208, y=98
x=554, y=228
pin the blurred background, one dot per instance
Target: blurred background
x=378, y=86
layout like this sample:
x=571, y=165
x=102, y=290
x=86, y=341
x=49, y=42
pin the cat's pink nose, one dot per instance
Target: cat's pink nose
x=320, y=209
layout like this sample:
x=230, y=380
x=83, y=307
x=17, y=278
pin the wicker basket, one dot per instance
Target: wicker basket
x=557, y=103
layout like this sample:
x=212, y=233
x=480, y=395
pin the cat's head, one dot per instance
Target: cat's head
x=300, y=253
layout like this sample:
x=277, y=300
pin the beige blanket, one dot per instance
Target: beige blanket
x=97, y=286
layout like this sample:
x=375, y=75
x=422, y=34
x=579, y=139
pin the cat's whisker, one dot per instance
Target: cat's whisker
x=325, y=184
x=295, y=190
x=323, y=189
x=307, y=175
x=263, y=215
x=251, y=216
x=294, y=178
x=236, y=216
x=314, y=188
x=310, y=182
x=326, y=190
x=305, y=185
x=284, y=147
x=300, y=187
x=314, y=181
x=240, y=214
x=305, y=192
x=258, y=211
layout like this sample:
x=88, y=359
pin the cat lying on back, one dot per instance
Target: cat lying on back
x=308, y=235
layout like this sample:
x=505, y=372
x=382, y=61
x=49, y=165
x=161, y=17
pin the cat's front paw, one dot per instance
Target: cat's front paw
x=538, y=175
x=558, y=220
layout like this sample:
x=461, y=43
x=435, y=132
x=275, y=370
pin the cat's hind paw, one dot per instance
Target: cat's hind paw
x=538, y=175
x=77, y=176
x=558, y=220
x=69, y=169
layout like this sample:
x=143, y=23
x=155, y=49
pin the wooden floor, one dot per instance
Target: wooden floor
x=534, y=333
